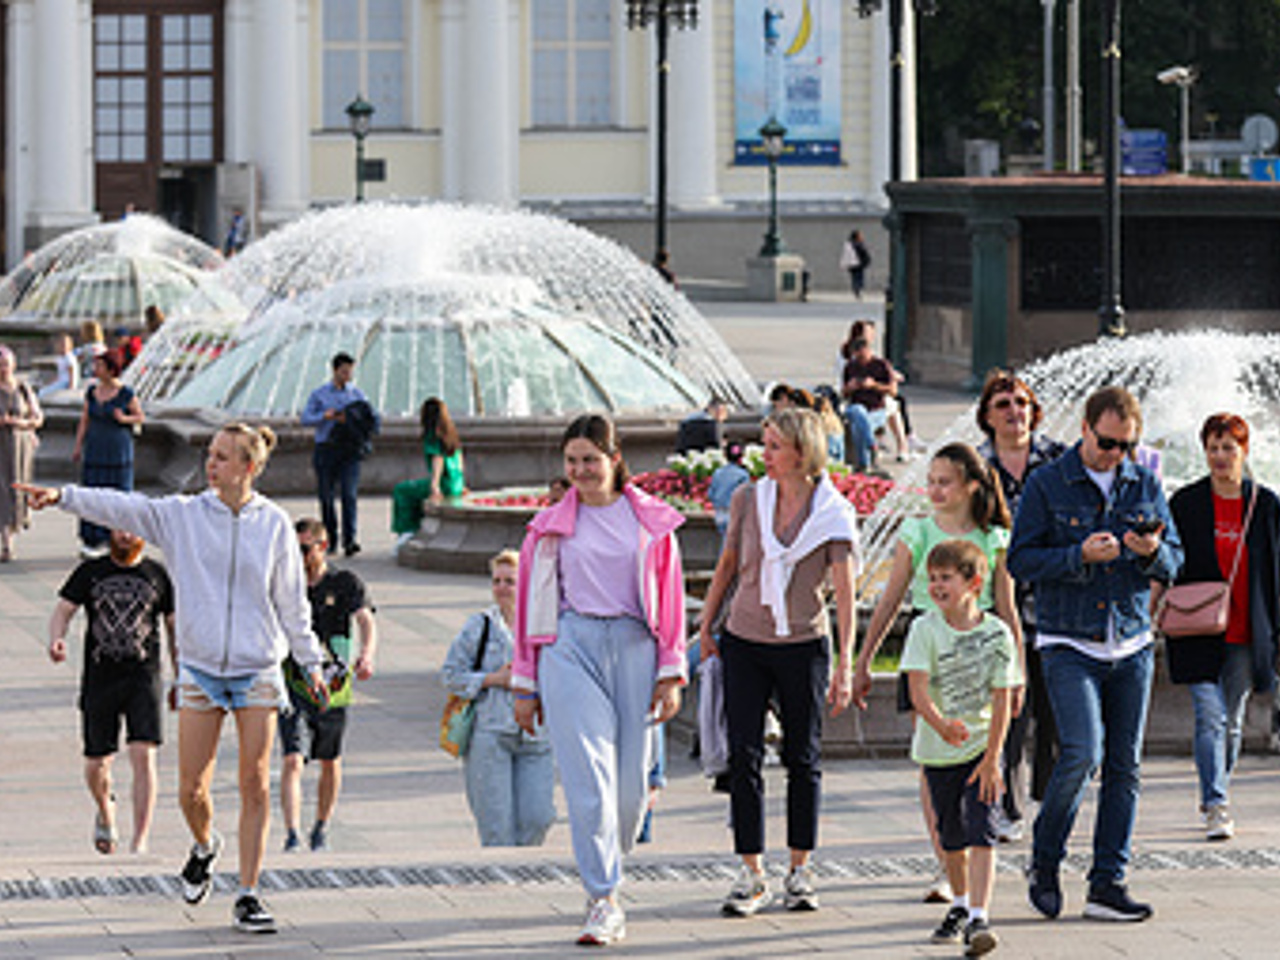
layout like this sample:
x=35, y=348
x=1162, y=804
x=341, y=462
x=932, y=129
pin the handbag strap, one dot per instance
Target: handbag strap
x=1244, y=532
x=484, y=642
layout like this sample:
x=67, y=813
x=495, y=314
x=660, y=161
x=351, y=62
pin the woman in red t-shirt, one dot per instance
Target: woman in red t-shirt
x=1212, y=515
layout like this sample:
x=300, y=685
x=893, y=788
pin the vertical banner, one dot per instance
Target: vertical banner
x=786, y=57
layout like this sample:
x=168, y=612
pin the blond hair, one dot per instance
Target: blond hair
x=91, y=332
x=254, y=444
x=504, y=558
x=805, y=431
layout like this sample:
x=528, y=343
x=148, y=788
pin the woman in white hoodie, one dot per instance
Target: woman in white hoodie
x=241, y=605
x=789, y=533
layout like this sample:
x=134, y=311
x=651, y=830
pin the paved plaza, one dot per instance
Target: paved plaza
x=406, y=877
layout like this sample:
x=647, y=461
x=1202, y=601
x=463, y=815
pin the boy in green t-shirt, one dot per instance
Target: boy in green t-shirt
x=962, y=665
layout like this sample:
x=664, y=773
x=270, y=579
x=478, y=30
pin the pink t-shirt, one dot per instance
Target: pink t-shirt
x=598, y=572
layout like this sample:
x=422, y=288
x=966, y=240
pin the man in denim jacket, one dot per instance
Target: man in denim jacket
x=1093, y=530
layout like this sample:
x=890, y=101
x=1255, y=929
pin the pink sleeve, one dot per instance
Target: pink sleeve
x=671, y=613
x=524, y=663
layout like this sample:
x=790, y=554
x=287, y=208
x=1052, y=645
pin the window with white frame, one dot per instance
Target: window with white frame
x=573, y=63
x=365, y=53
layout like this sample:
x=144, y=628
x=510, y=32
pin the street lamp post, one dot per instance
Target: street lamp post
x=360, y=114
x=1182, y=78
x=663, y=14
x=1111, y=312
x=772, y=135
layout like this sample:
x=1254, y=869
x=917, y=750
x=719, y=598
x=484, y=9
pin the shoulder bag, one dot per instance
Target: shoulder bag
x=1202, y=609
x=459, y=717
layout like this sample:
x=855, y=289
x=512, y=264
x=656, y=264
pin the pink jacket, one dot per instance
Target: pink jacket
x=659, y=569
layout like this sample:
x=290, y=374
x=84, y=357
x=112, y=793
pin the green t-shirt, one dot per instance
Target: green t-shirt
x=451, y=480
x=922, y=534
x=963, y=667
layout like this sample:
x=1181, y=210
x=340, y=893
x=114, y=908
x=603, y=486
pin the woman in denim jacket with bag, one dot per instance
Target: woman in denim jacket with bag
x=510, y=775
x=1222, y=670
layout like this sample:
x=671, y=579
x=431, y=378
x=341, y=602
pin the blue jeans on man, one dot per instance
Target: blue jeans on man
x=863, y=424
x=1101, y=711
x=335, y=472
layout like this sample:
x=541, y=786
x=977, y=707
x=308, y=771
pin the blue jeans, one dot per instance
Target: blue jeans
x=1101, y=710
x=510, y=788
x=1220, y=707
x=331, y=472
x=863, y=425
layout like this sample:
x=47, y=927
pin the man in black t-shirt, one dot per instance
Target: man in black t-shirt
x=338, y=597
x=125, y=597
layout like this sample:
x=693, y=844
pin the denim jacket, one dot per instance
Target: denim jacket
x=1061, y=506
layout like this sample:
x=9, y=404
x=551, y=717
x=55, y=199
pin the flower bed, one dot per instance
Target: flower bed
x=683, y=484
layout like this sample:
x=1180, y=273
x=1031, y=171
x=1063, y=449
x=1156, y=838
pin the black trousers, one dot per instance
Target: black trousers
x=797, y=674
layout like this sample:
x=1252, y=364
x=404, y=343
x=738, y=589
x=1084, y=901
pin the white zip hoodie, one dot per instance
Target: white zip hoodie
x=240, y=592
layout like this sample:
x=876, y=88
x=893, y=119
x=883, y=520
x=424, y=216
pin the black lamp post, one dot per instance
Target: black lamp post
x=360, y=114
x=1111, y=313
x=663, y=14
x=772, y=135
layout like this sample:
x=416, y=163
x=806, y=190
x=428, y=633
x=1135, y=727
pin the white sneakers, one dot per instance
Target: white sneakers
x=749, y=894
x=606, y=924
x=1218, y=824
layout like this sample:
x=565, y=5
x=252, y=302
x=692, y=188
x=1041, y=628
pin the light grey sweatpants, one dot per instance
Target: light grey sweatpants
x=597, y=682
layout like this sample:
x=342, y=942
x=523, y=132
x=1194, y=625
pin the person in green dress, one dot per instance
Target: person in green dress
x=442, y=451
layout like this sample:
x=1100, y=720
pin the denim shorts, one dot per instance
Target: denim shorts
x=198, y=690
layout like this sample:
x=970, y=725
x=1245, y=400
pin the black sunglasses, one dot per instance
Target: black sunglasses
x=1004, y=403
x=1111, y=443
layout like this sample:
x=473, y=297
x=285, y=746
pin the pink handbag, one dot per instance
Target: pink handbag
x=1202, y=609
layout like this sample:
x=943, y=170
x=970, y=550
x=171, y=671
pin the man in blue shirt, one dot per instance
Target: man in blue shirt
x=1092, y=532
x=335, y=465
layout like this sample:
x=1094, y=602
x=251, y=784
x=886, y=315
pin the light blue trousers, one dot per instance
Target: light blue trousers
x=597, y=684
x=511, y=788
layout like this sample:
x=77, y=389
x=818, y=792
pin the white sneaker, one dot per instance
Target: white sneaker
x=1218, y=824
x=917, y=445
x=606, y=924
x=798, y=892
x=939, y=891
x=401, y=540
x=1007, y=831
x=749, y=895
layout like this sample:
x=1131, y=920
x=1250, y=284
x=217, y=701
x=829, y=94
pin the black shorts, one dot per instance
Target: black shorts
x=137, y=698
x=325, y=728
x=963, y=819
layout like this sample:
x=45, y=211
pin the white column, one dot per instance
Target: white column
x=59, y=138
x=280, y=134
x=452, y=30
x=20, y=68
x=489, y=118
x=910, y=164
x=880, y=108
x=691, y=103
x=238, y=85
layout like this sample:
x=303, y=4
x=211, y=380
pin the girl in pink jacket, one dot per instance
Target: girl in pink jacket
x=600, y=651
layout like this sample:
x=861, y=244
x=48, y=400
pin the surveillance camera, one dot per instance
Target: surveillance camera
x=1178, y=75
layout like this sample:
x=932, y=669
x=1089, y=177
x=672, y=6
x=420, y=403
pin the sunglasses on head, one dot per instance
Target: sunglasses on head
x=1111, y=443
x=1004, y=403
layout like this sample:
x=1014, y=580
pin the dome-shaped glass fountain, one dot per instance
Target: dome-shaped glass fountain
x=487, y=346
x=604, y=316
x=110, y=273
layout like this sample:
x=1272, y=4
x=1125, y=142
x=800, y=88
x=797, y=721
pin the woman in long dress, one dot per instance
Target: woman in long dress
x=20, y=418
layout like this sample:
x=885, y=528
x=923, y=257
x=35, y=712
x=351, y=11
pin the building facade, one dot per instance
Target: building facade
x=194, y=108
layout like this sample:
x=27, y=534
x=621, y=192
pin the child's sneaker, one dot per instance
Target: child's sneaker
x=749, y=895
x=798, y=892
x=979, y=939
x=939, y=891
x=252, y=917
x=951, y=929
x=292, y=844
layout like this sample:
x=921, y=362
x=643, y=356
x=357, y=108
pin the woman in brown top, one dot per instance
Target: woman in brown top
x=787, y=533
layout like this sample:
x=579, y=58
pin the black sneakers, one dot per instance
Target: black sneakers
x=197, y=875
x=979, y=939
x=1111, y=901
x=951, y=930
x=252, y=917
x=1044, y=892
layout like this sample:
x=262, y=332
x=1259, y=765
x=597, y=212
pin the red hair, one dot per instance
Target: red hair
x=1229, y=424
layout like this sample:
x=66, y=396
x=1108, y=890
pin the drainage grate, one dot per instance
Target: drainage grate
x=674, y=871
